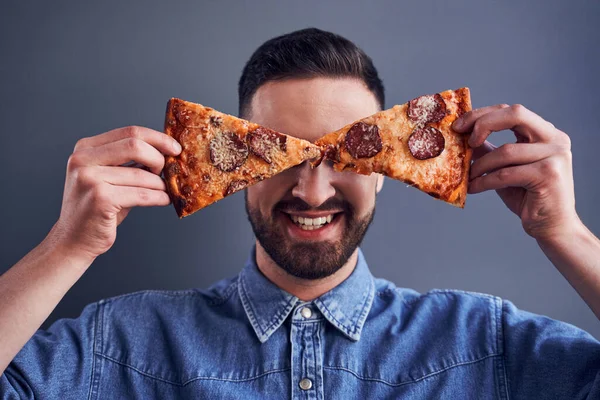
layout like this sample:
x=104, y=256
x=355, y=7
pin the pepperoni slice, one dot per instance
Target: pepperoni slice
x=425, y=143
x=363, y=140
x=234, y=186
x=264, y=142
x=427, y=109
x=227, y=151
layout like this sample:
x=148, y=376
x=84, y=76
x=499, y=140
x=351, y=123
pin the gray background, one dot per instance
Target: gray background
x=75, y=69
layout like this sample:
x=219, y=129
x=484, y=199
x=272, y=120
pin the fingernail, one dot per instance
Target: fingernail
x=177, y=147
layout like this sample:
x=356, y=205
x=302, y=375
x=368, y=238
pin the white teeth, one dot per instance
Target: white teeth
x=309, y=224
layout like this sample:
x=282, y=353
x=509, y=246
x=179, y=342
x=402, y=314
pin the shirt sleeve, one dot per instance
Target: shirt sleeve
x=56, y=363
x=548, y=359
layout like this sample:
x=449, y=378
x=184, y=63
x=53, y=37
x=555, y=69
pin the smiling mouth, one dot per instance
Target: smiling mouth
x=309, y=224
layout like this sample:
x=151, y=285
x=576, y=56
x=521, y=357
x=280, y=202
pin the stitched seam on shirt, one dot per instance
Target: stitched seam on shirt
x=368, y=302
x=169, y=293
x=414, y=380
x=98, y=346
x=344, y=327
x=274, y=321
x=247, y=304
x=458, y=291
x=95, y=328
x=280, y=314
x=208, y=378
x=501, y=339
x=347, y=329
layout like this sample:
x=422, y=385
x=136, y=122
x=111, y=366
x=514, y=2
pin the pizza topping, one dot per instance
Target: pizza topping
x=227, y=151
x=363, y=140
x=427, y=109
x=234, y=186
x=186, y=190
x=332, y=153
x=216, y=121
x=264, y=142
x=425, y=143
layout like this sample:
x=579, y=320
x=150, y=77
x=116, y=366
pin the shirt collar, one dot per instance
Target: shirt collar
x=267, y=306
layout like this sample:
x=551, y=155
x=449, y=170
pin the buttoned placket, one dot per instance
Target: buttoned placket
x=307, y=352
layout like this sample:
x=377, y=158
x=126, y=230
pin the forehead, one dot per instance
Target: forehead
x=310, y=108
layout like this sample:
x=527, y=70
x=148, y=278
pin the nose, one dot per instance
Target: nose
x=314, y=184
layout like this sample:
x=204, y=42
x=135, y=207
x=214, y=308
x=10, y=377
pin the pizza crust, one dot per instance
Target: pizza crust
x=194, y=179
x=444, y=177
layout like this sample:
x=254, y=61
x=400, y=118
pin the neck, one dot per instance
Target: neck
x=304, y=289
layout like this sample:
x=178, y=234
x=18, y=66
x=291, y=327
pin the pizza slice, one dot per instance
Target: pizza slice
x=412, y=142
x=223, y=154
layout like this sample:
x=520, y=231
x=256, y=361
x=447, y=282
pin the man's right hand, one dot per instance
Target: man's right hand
x=99, y=190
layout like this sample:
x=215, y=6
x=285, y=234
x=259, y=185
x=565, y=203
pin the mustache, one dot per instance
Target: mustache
x=299, y=205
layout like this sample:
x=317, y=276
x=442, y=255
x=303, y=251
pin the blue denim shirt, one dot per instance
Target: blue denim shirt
x=244, y=338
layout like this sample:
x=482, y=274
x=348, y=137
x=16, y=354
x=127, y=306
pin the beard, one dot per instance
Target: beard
x=308, y=259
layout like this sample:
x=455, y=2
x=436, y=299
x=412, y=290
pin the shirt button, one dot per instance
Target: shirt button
x=306, y=313
x=305, y=384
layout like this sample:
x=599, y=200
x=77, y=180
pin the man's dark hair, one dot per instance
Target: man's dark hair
x=306, y=53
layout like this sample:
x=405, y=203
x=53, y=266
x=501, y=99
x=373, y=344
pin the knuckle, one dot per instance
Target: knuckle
x=75, y=161
x=519, y=111
x=564, y=140
x=133, y=132
x=504, y=174
x=86, y=177
x=508, y=150
x=143, y=195
x=134, y=145
x=80, y=144
x=479, y=126
x=551, y=167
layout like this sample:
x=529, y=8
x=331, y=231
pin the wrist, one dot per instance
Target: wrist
x=57, y=246
x=564, y=233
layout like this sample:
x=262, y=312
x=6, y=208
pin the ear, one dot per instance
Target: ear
x=379, y=183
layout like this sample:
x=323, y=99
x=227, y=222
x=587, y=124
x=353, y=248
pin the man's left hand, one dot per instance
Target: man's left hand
x=533, y=177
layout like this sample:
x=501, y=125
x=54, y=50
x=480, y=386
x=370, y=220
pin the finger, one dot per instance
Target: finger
x=127, y=197
x=120, y=152
x=517, y=176
x=528, y=126
x=136, y=177
x=464, y=124
x=164, y=143
x=482, y=150
x=510, y=154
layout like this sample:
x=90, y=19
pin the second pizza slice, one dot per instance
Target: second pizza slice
x=413, y=142
x=223, y=154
